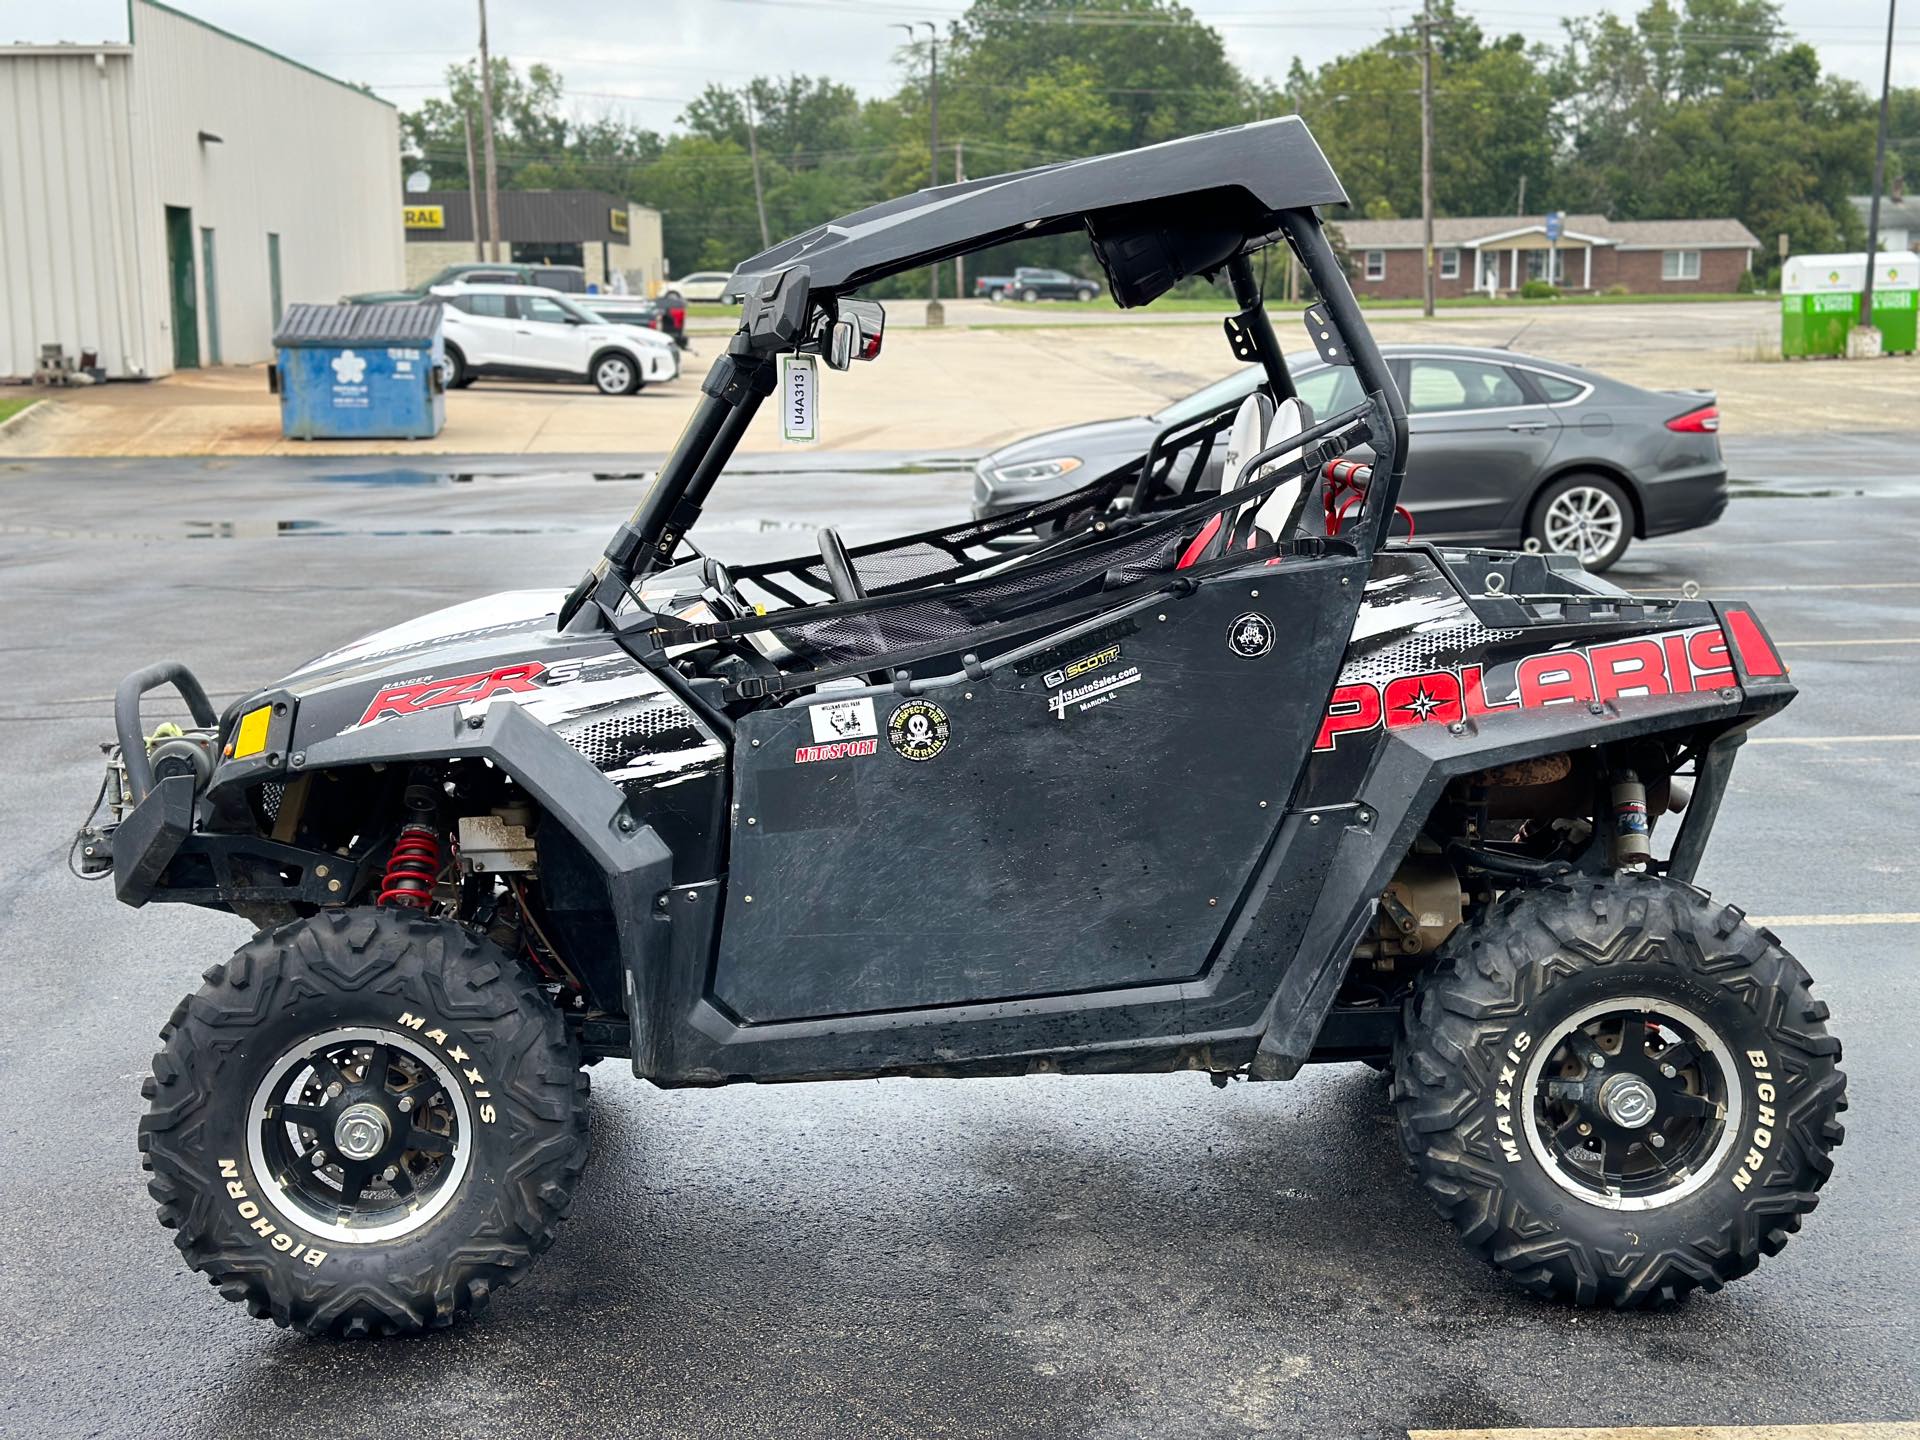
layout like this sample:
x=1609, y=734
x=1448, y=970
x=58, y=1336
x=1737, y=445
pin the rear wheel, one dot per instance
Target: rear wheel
x=364, y=1123
x=1085, y=293
x=615, y=374
x=1029, y=296
x=1619, y=1091
x=1588, y=516
x=457, y=374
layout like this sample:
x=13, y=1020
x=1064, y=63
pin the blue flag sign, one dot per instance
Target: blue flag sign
x=1553, y=226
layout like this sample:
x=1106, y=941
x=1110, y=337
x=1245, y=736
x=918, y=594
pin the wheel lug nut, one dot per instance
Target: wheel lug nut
x=1668, y=1071
x=1585, y=1129
x=333, y=1090
x=1597, y=1060
x=1659, y=1141
x=406, y=1104
x=319, y=1159
x=393, y=1170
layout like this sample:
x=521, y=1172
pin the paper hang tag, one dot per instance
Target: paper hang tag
x=799, y=399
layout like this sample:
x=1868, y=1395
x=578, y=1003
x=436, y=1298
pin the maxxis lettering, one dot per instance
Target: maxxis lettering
x=459, y=1056
x=1503, y=1095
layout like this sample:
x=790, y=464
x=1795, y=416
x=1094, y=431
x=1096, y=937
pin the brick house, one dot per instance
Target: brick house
x=1502, y=252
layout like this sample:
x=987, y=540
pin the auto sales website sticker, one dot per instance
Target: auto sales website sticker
x=918, y=730
x=1250, y=635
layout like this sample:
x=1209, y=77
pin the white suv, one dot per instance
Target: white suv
x=529, y=333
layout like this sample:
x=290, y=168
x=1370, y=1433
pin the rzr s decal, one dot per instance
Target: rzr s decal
x=454, y=690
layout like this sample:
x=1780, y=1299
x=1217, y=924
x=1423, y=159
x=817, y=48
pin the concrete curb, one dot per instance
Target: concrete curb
x=13, y=424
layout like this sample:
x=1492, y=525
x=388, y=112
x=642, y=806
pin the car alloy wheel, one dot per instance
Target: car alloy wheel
x=1583, y=520
x=613, y=376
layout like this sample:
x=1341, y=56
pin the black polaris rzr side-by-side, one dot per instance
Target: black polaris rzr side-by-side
x=1139, y=779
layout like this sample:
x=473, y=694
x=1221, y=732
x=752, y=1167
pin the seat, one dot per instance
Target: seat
x=1247, y=439
x=1279, y=513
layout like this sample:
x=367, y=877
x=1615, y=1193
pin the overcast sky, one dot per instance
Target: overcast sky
x=646, y=58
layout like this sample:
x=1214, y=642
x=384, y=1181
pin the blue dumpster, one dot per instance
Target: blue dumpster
x=360, y=372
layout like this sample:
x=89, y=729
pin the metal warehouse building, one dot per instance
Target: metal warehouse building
x=163, y=200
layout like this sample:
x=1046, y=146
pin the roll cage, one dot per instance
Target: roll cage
x=1155, y=216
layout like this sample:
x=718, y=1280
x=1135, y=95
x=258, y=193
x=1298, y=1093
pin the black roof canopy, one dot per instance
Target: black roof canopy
x=1156, y=215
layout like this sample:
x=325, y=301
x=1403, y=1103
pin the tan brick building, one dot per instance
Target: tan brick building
x=1500, y=253
x=599, y=232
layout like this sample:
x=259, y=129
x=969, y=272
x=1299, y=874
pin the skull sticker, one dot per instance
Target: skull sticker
x=918, y=730
x=1250, y=636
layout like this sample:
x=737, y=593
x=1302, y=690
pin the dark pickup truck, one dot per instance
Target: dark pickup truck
x=1030, y=283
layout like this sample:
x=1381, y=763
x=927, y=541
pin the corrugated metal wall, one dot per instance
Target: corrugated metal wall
x=300, y=155
x=96, y=143
x=69, y=263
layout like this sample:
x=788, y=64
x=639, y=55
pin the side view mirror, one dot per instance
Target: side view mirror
x=838, y=350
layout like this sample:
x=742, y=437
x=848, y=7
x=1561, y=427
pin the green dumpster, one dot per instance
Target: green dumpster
x=1820, y=301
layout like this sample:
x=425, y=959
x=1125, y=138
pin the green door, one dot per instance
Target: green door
x=213, y=297
x=273, y=276
x=186, y=307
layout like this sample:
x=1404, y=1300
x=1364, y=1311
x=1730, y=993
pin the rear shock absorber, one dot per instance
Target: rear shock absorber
x=414, y=865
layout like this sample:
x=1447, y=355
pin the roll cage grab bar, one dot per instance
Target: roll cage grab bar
x=781, y=313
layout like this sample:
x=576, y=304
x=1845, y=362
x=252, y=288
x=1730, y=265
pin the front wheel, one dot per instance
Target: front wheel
x=615, y=375
x=1085, y=294
x=1619, y=1091
x=1588, y=516
x=1027, y=297
x=364, y=1123
x=455, y=372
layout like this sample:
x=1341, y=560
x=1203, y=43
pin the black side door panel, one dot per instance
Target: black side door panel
x=1087, y=822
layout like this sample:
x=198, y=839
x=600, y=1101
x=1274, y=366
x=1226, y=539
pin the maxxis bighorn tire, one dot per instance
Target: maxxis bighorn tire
x=1544, y=957
x=485, y=1029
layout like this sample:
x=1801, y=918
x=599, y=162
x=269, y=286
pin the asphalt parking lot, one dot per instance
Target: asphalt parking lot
x=1046, y=1257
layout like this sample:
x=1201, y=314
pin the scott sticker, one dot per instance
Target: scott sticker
x=918, y=730
x=1250, y=636
x=1085, y=665
x=1082, y=698
x=843, y=720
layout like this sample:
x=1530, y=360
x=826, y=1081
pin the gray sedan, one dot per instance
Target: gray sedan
x=1506, y=449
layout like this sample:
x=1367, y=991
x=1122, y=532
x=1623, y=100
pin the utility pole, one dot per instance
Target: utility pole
x=753, y=150
x=473, y=184
x=1872, y=348
x=1426, y=158
x=935, y=315
x=1520, y=205
x=959, y=261
x=486, y=139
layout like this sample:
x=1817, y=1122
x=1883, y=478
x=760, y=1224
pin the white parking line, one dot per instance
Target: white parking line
x=1785, y=589
x=1893, y=1430
x=1830, y=739
x=1891, y=917
x=1816, y=644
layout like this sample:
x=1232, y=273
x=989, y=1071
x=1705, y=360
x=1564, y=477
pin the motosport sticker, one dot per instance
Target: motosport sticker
x=843, y=720
x=918, y=730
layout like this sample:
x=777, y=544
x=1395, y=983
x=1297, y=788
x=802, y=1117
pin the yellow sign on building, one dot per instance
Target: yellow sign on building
x=425, y=217
x=617, y=221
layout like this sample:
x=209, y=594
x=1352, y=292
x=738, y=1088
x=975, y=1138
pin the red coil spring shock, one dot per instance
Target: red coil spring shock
x=412, y=868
